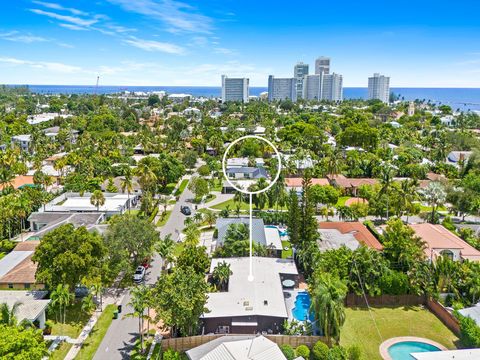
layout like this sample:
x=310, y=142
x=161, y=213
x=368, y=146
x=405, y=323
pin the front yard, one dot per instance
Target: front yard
x=359, y=328
x=75, y=320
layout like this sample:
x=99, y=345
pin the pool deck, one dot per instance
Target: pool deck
x=387, y=343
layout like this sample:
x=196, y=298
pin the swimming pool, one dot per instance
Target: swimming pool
x=403, y=349
x=281, y=232
x=301, y=311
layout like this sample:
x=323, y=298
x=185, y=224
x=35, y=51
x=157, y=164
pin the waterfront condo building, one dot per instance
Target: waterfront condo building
x=282, y=89
x=322, y=65
x=323, y=87
x=299, y=72
x=235, y=89
x=379, y=87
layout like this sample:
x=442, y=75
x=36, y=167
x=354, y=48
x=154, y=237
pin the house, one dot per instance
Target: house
x=457, y=157
x=32, y=308
x=117, y=182
x=41, y=223
x=19, y=182
x=114, y=204
x=179, y=98
x=246, y=172
x=447, y=120
x=52, y=159
x=261, y=234
x=248, y=307
x=53, y=132
x=237, y=347
x=243, y=162
x=350, y=185
x=295, y=184
x=472, y=312
x=22, y=141
x=441, y=242
x=350, y=234
x=17, y=270
x=40, y=118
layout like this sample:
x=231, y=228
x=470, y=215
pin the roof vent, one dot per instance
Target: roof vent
x=265, y=302
x=249, y=308
x=246, y=303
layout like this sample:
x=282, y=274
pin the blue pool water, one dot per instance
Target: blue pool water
x=301, y=311
x=282, y=233
x=402, y=350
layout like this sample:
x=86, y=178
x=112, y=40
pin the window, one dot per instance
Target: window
x=26, y=286
x=447, y=253
x=10, y=286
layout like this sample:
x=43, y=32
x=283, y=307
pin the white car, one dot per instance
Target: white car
x=139, y=274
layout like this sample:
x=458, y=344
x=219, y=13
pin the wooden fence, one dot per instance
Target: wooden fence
x=187, y=343
x=444, y=315
x=353, y=300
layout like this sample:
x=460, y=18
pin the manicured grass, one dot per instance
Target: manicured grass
x=61, y=351
x=93, y=341
x=392, y=322
x=182, y=187
x=74, y=322
x=244, y=206
x=164, y=218
x=341, y=200
x=288, y=253
x=217, y=186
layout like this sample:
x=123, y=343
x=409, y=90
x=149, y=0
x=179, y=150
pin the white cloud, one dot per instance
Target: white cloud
x=225, y=51
x=56, y=6
x=73, y=27
x=69, y=19
x=152, y=45
x=176, y=15
x=24, y=38
x=54, y=67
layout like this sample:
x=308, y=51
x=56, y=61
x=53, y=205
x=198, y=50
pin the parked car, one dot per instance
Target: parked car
x=139, y=274
x=185, y=210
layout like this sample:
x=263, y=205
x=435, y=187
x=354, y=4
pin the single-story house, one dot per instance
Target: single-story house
x=237, y=347
x=246, y=172
x=115, y=204
x=249, y=307
x=441, y=242
x=455, y=157
x=353, y=234
x=350, y=185
x=243, y=162
x=17, y=270
x=295, y=184
x=117, y=182
x=20, y=181
x=32, y=308
x=261, y=234
x=43, y=222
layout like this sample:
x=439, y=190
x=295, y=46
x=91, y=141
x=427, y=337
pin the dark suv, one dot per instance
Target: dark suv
x=185, y=210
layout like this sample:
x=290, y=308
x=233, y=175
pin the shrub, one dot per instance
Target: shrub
x=303, y=351
x=320, y=351
x=469, y=331
x=204, y=170
x=355, y=353
x=287, y=350
x=171, y=354
x=337, y=353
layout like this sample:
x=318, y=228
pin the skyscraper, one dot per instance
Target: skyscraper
x=379, y=87
x=281, y=88
x=235, y=89
x=322, y=64
x=299, y=72
x=323, y=87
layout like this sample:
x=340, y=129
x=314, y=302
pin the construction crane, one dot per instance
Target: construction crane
x=96, y=86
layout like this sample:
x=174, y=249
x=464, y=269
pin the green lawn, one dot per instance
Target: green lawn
x=399, y=321
x=182, y=187
x=61, y=351
x=341, y=200
x=74, y=322
x=288, y=253
x=93, y=341
x=163, y=219
x=244, y=206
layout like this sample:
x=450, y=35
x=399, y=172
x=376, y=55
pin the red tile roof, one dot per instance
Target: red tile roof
x=438, y=238
x=297, y=182
x=19, y=181
x=357, y=229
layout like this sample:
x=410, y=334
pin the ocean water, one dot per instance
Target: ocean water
x=457, y=98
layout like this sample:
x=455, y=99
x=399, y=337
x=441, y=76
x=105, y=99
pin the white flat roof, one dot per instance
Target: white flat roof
x=245, y=298
x=467, y=354
x=32, y=306
x=272, y=236
x=334, y=239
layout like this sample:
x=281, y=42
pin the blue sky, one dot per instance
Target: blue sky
x=420, y=43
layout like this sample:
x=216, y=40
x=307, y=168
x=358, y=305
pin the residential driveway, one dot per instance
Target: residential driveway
x=122, y=333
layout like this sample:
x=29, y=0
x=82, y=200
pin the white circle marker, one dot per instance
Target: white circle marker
x=250, y=193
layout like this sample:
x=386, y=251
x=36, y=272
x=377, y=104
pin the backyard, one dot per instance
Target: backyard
x=75, y=320
x=360, y=329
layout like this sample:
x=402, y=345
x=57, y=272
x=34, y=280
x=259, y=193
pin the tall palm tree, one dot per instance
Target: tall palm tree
x=147, y=177
x=192, y=234
x=97, y=199
x=328, y=294
x=209, y=217
x=221, y=274
x=126, y=184
x=62, y=298
x=386, y=173
x=8, y=314
x=435, y=195
x=140, y=300
x=165, y=248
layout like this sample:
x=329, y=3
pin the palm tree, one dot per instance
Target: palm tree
x=61, y=297
x=198, y=217
x=8, y=314
x=147, y=177
x=221, y=274
x=209, y=217
x=165, y=248
x=387, y=172
x=97, y=199
x=328, y=294
x=127, y=185
x=140, y=299
x=435, y=195
x=192, y=234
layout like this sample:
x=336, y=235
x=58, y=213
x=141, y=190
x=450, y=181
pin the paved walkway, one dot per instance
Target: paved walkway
x=219, y=198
